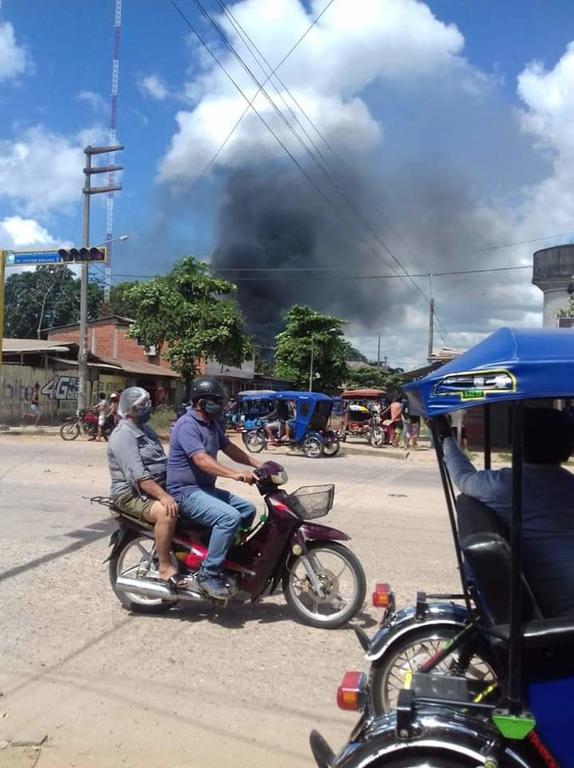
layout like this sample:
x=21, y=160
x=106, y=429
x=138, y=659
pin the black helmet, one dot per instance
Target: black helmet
x=208, y=387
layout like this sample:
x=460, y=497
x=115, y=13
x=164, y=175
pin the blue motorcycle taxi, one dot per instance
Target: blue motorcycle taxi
x=520, y=716
x=308, y=428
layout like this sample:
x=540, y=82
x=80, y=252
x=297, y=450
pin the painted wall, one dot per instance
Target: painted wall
x=58, y=392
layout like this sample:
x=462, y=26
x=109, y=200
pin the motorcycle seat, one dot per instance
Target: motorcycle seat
x=183, y=527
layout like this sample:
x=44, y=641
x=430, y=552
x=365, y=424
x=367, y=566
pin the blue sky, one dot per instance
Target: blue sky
x=421, y=97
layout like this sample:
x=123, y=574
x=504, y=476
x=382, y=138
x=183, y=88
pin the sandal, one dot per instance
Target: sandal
x=174, y=582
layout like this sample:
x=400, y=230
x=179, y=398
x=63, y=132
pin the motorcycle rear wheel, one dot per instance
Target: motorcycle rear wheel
x=121, y=563
x=70, y=430
x=386, y=676
x=310, y=609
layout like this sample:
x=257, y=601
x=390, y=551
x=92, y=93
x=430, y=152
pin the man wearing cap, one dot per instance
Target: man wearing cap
x=191, y=474
x=138, y=467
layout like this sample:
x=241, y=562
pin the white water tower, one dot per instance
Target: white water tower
x=553, y=273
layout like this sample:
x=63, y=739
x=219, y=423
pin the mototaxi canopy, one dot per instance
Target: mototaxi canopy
x=511, y=364
x=363, y=394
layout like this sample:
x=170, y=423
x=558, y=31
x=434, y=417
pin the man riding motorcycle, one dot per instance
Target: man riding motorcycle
x=192, y=469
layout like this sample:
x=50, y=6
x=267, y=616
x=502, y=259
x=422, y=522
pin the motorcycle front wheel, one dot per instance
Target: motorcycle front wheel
x=387, y=674
x=377, y=438
x=70, y=430
x=254, y=441
x=341, y=580
x=331, y=447
x=312, y=447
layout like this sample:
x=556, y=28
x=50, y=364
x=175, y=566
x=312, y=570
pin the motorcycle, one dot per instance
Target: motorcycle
x=323, y=582
x=86, y=422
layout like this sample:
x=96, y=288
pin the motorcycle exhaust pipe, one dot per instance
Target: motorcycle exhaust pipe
x=154, y=590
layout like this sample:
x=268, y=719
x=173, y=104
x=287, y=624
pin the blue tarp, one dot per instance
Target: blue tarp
x=511, y=364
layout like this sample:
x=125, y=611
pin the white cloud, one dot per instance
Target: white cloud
x=42, y=171
x=95, y=100
x=154, y=87
x=17, y=232
x=392, y=40
x=13, y=57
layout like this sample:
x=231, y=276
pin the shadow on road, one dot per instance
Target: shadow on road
x=85, y=536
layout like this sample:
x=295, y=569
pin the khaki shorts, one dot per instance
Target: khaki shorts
x=131, y=503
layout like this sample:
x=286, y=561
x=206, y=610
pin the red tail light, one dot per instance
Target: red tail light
x=351, y=692
x=382, y=595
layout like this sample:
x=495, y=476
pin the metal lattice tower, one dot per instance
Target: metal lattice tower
x=113, y=140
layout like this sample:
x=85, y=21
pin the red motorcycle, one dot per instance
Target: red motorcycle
x=323, y=582
x=86, y=422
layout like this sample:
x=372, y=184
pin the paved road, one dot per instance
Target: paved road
x=240, y=687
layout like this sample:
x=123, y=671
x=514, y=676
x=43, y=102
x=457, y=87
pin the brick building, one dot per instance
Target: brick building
x=142, y=366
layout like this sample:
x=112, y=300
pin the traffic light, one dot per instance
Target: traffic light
x=74, y=255
x=82, y=254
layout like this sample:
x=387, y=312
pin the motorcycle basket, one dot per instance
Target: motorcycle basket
x=312, y=501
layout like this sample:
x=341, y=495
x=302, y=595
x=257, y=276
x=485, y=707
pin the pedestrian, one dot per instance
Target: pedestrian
x=102, y=411
x=396, y=424
x=112, y=416
x=35, y=410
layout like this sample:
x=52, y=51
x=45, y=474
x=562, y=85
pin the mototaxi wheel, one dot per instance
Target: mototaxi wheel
x=135, y=559
x=312, y=447
x=342, y=579
x=387, y=674
x=254, y=441
x=70, y=430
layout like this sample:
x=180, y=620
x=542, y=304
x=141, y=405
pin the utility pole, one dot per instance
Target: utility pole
x=431, y=322
x=379, y=352
x=87, y=192
x=311, y=366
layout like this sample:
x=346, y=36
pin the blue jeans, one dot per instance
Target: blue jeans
x=224, y=513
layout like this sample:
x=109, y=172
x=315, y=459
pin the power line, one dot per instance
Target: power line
x=315, y=152
x=248, y=107
x=337, y=277
x=293, y=131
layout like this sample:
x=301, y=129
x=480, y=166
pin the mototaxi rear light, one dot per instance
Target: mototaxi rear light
x=382, y=595
x=351, y=692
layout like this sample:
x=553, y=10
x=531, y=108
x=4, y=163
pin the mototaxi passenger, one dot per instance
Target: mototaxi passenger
x=192, y=470
x=276, y=421
x=547, y=503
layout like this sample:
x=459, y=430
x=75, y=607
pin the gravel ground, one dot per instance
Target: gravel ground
x=240, y=686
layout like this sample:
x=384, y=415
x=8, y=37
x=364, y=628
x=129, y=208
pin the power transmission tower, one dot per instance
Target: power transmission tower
x=112, y=142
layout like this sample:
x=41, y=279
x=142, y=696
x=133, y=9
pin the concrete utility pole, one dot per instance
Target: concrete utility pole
x=379, y=352
x=87, y=192
x=431, y=322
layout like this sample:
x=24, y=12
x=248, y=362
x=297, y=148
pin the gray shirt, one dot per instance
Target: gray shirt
x=547, y=521
x=134, y=453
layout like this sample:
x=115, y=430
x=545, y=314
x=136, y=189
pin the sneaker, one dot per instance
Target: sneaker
x=213, y=586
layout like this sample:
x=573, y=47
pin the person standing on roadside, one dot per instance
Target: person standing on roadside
x=101, y=410
x=35, y=409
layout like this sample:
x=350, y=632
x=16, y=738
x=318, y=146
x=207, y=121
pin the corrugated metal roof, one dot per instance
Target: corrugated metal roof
x=32, y=345
x=147, y=369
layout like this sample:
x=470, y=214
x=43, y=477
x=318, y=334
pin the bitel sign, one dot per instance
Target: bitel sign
x=61, y=256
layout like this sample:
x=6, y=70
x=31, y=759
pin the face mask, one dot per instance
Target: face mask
x=213, y=409
x=144, y=415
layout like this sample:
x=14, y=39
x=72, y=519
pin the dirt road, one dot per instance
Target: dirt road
x=240, y=687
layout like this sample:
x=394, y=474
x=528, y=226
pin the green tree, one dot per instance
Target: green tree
x=43, y=298
x=308, y=333
x=353, y=354
x=122, y=301
x=192, y=312
x=366, y=378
